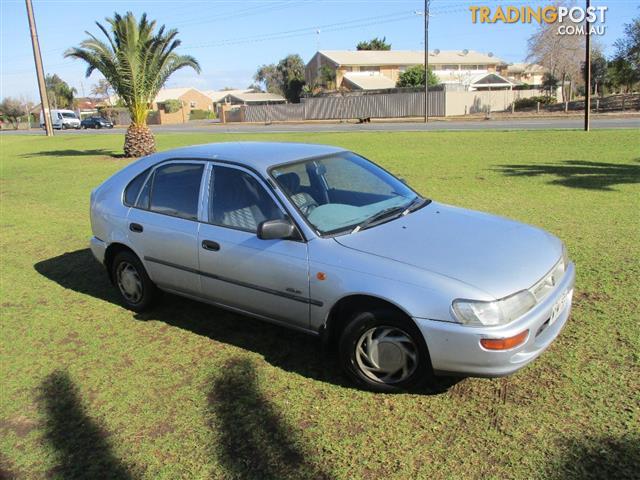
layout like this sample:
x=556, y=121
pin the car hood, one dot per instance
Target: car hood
x=493, y=254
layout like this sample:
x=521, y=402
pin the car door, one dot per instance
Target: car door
x=163, y=225
x=269, y=278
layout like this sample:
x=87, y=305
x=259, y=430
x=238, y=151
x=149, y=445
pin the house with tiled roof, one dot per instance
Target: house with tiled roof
x=380, y=69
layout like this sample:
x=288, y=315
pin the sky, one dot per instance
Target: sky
x=232, y=38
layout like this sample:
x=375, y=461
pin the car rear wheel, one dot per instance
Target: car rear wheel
x=136, y=289
x=384, y=351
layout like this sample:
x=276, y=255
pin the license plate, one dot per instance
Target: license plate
x=559, y=306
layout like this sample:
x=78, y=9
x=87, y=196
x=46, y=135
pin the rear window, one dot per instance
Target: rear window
x=133, y=189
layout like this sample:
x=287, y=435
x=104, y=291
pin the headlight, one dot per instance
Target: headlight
x=498, y=312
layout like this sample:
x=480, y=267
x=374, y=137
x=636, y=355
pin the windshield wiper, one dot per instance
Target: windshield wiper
x=401, y=211
x=415, y=204
x=387, y=212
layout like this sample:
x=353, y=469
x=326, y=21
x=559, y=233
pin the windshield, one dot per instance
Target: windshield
x=68, y=115
x=339, y=192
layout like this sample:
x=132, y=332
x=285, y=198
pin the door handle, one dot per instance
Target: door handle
x=135, y=227
x=210, y=245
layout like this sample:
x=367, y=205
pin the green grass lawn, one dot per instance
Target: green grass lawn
x=91, y=390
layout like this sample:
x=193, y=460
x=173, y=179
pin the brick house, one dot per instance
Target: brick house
x=190, y=99
x=379, y=69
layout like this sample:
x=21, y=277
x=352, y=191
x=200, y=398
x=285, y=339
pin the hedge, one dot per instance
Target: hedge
x=532, y=101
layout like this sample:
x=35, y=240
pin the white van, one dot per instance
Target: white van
x=62, y=119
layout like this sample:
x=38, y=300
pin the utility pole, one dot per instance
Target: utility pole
x=44, y=100
x=427, y=3
x=426, y=60
x=587, y=67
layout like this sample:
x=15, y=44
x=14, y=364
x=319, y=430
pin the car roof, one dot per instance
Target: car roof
x=259, y=156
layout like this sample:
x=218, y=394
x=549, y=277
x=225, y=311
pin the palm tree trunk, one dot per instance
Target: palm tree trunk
x=139, y=141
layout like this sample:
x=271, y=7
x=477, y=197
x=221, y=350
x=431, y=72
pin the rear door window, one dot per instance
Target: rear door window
x=175, y=190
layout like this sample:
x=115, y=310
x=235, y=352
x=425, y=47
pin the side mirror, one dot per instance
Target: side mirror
x=276, y=229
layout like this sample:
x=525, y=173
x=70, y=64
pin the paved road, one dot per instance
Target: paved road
x=514, y=124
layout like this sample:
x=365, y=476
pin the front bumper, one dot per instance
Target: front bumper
x=98, y=247
x=456, y=349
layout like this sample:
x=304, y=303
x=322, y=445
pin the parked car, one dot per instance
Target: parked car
x=322, y=240
x=62, y=119
x=96, y=122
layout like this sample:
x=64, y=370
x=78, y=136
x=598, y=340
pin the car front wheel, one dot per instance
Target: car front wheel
x=136, y=289
x=384, y=351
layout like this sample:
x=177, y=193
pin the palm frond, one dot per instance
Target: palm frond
x=136, y=59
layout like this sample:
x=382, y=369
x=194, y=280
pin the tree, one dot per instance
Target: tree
x=549, y=85
x=599, y=66
x=626, y=62
x=560, y=54
x=255, y=87
x=414, y=77
x=621, y=74
x=60, y=94
x=136, y=60
x=270, y=78
x=13, y=109
x=291, y=70
x=327, y=77
x=286, y=78
x=374, y=44
x=102, y=89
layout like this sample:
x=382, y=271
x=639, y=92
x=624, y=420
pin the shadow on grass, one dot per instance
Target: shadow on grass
x=253, y=440
x=81, y=447
x=281, y=347
x=74, y=153
x=595, y=458
x=579, y=173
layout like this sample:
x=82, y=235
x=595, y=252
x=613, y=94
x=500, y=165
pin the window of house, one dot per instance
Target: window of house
x=450, y=67
x=370, y=69
x=239, y=201
x=192, y=104
x=175, y=190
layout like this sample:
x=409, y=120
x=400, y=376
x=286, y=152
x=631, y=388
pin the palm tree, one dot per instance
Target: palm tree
x=136, y=61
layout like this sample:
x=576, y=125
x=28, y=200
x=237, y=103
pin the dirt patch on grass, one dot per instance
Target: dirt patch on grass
x=160, y=430
x=73, y=339
x=590, y=298
x=20, y=425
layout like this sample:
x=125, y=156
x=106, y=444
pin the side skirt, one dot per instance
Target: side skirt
x=242, y=312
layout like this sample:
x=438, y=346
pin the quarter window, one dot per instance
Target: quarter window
x=175, y=190
x=239, y=201
x=133, y=189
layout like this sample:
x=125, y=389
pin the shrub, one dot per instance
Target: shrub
x=532, y=101
x=201, y=115
x=172, y=106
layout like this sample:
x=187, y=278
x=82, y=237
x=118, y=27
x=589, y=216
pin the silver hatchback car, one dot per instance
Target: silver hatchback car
x=320, y=239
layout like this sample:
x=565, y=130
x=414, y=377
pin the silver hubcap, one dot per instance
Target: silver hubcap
x=386, y=354
x=129, y=282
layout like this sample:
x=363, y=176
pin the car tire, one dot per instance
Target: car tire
x=404, y=348
x=137, y=291
x=98, y=126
